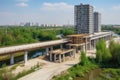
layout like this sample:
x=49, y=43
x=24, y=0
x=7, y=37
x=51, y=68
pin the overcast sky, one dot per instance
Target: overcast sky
x=54, y=11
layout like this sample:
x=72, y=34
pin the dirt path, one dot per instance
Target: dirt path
x=50, y=69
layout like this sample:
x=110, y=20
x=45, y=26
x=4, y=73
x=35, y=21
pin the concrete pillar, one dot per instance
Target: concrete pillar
x=63, y=57
x=11, y=59
x=70, y=54
x=85, y=44
x=60, y=58
x=90, y=44
x=50, y=57
x=51, y=48
x=47, y=50
x=84, y=48
x=54, y=57
x=69, y=47
x=25, y=57
x=74, y=53
x=61, y=46
x=95, y=44
x=75, y=49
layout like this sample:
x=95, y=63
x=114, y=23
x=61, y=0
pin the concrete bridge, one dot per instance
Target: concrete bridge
x=28, y=47
x=89, y=44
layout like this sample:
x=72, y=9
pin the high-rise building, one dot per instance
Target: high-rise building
x=84, y=20
x=97, y=22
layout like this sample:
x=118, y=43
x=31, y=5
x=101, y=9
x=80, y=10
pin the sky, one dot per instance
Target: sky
x=54, y=11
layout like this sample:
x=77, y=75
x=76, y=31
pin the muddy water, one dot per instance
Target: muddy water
x=91, y=75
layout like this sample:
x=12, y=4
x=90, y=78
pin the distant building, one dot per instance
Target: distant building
x=84, y=22
x=27, y=24
x=97, y=22
x=116, y=26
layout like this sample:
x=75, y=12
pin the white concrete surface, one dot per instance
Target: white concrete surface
x=13, y=49
x=51, y=69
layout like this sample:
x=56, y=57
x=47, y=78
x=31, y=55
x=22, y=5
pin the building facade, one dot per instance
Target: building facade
x=83, y=17
x=97, y=22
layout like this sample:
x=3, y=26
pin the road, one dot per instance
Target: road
x=51, y=69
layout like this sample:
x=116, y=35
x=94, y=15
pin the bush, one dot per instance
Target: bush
x=84, y=59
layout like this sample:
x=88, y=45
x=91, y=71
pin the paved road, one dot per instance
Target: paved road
x=48, y=71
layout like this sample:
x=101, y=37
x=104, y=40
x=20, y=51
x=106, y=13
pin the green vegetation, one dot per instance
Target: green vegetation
x=103, y=54
x=22, y=35
x=84, y=59
x=108, y=59
x=6, y=74
x=78, y=70
x=109, y=74
x=111, y=28
x=115, y=51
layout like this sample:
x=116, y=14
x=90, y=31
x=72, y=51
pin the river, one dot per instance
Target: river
x=31, y=55
x=90, y=75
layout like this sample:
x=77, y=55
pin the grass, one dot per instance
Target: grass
x=5, y=57
x=6, y=74
x=76, y=71
x=109, y=74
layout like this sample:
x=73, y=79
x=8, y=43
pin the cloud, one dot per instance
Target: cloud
x=56, y=6
x=22, y=4
x=57, y=13
x=23, y=0
x=117, y=7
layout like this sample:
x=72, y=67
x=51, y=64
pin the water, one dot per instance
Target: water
x=91, y=75
x=31, y=55
x=37, y=54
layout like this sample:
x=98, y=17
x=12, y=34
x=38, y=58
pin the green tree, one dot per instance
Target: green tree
x=83, y=58
x=103, y=54
x=115, y=51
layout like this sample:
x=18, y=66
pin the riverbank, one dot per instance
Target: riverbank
x=90, y=71
x=77, y=71
x=109, y=74
x=107, y=61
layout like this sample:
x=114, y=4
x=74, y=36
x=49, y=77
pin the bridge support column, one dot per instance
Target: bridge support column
x=86, y=45
x=51, y=48
x=61, y=46
x=25, y=57
x=60, y=58
x=50, y=56
x=90, y=45
x=63, y=57
x=11, y=59
x=74, y=54
x=47, y=50
x=54, y=57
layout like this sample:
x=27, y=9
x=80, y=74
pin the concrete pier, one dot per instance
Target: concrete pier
x=25, y=57
x=61, y=46
x=47, y=50
x=60, y=58
x=11, y=59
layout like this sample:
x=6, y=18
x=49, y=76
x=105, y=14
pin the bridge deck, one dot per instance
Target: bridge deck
x=12, y=49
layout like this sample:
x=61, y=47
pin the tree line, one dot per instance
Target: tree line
x=23, y=35
x=111, y=28
x=108, y=56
